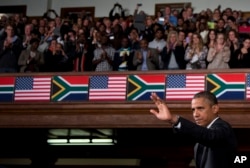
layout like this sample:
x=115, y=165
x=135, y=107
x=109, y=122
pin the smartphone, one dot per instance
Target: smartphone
x=187, y=40
x=111, y=37
x=139, y=4
x=161, y=19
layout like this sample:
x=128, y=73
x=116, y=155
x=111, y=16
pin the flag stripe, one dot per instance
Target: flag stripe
x=141, y=86
x=248, y=87
x=7, y=89
x=183, y=87
x=32, y=88
x=225, y=88
x=107, y=88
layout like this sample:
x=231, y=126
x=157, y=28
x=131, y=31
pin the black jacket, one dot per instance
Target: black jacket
x=179, y=53
x=218, y=143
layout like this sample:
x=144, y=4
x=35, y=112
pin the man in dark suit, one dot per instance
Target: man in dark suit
x=216, y=142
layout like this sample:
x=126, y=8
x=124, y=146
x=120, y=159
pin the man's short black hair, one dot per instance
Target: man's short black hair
x=207, y=95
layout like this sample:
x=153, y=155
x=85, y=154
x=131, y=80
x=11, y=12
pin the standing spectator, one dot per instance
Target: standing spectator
x=139, y=19
x=234, y=44
x=168, y=15
x=84, y=55
x=31, y=59
x=196, y=53
x=182, y=39
x=18, y=25
x=27, y=35
x=55, y=58
x=158, y=43
x=148, y=33
x=173, y=53
x=211, y=40
x=123, y=59
x=104, y=55
x=117, y=15
x=134, y=39
x=10, y=49
x=70, y=41
x=241, y=57
x=231, y=24
x=203, y=30
x=146, y=58
x=219, y=56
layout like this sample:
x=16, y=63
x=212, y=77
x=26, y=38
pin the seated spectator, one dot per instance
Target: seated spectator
x=31, y=59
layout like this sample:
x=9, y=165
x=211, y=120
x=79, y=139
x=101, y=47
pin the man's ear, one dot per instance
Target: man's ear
x=215, y=108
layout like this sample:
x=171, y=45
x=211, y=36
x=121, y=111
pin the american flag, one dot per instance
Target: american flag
x=32, y=89
x=248, y=87
x=107, y=88
x=184, y=86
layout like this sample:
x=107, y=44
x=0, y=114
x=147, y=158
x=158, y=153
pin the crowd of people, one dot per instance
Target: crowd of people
x=171, y=40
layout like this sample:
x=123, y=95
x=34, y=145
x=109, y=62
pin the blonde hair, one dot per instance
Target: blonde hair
x=200, y=45
x=174, y=33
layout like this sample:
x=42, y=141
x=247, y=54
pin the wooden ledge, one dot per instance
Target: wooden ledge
x=108, y=114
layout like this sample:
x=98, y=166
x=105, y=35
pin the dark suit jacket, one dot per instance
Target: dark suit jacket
x=218, y=143
x=152, y=59
x=179, y=53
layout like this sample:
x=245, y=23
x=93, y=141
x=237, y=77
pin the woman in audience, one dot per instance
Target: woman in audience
x=55, y=58
x=241, y=57
x=196, y=53
x=211, y=40
x=173, y=53
x=219, y=55
x=10, y=49
x=234, y=44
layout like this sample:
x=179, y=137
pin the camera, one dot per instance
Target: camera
x=139, y=4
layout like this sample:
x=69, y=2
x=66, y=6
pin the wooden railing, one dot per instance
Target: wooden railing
x=114, y=114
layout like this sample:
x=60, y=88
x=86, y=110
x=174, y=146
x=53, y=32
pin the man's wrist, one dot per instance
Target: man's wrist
x=175, y=120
